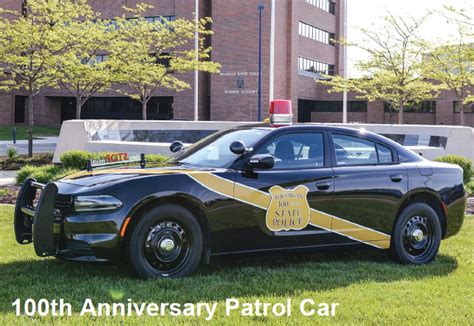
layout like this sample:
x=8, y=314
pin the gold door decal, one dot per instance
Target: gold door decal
x=288, y=209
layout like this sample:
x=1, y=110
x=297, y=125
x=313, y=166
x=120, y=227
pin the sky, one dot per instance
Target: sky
x=362, y=13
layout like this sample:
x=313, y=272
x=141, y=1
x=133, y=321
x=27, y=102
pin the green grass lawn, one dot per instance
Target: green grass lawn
x=370, y=288
x=22, y=132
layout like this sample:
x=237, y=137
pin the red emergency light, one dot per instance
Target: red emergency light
x=281, y=113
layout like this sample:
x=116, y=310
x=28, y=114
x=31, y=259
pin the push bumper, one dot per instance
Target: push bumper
x=54, y=233
x=36, y=223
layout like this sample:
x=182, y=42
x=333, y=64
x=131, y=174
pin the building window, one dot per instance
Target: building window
x=326, y=5
x=469, y=108
x=20, y=109
x=315, y=33
x=412, y=107
x=101, y=58
x=161, y=19
x=307, y=107
x=313, y=66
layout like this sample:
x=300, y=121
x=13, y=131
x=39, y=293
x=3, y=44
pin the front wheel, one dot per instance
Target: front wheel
x=166, y=242
x=416, y=235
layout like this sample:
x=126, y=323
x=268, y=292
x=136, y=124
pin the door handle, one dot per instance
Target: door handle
x=323, y=185
x=396, y=177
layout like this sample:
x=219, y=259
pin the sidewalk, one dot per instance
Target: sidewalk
x=42, y=140
x=7, y=178
x=42, y=145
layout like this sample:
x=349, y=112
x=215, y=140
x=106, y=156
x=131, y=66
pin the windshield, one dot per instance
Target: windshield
x=213, y=151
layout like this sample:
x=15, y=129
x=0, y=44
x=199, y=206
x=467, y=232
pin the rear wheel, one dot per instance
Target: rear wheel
x=416, y=235
x=166, y=242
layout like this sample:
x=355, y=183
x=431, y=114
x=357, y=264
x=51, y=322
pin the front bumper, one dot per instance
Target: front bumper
x=56, y=230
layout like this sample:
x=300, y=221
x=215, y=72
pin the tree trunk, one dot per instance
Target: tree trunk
x=401, y=107
x=144, y=110
x=461, y=114
x=78, y=108
x=30, y=121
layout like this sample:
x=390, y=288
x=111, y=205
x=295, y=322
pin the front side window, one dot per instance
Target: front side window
x=214, y=150
x=354, y=150
x=295, y=150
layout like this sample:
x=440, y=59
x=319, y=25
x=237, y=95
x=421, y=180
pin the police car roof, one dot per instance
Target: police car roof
x=320, y=126
x=325, y=127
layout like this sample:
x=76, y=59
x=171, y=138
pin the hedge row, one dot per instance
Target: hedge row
x=71, y=162
x=79, y=159
x=16, y=162
x=42, y=174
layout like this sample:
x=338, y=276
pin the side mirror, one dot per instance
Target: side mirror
x=238, y=147
x=262, y=161
x=176, y=146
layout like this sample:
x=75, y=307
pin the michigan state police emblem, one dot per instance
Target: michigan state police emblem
x=288, y=209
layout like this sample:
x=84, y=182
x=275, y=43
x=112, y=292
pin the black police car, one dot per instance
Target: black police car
x=251, y=189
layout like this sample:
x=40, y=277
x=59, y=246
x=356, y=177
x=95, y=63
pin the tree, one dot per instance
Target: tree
x=83, y=69
x=392, y=71
x=150, y=55
x=30, y=42
x=452, y=65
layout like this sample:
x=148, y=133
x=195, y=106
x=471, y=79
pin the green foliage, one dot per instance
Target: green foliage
x=42, y=174
x=12, y=152
x=148, y=56
x=30, y=43
x=22, y=160
x=78, y=70
x=464, y=163
x=451, y=64
x=155, y=158
x=78, y=159
x=75, y=159
x=371, y=289
x=22, y=132
x=470, y=188
x=392, y=71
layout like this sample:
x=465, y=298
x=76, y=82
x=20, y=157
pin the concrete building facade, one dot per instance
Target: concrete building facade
x=302, y=50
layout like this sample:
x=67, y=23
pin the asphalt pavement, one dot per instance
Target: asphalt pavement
x=42, y=145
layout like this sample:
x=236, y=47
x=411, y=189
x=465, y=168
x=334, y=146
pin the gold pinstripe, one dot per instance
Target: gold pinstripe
x=261, y=200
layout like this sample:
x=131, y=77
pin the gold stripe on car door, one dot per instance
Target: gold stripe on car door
x=319, y=219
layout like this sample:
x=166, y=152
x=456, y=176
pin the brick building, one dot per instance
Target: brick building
x=302, y=49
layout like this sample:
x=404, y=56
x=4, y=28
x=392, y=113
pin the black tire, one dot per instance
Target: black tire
x=416, y=235
x=155, y=233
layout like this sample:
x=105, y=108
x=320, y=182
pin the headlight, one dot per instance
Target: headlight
x=96, y=203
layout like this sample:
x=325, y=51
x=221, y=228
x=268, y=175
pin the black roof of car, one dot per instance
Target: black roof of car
x=353, y=130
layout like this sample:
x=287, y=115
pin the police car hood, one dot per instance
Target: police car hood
x=113, y=175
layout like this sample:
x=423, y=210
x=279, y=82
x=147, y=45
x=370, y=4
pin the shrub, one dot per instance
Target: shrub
x=21, y=160
x=155, y=158
x=42, y=174
x=464, y=163
x=12, y=152
x=470, y=188
x=75, y=159
x=78, y=159
x=40, y=159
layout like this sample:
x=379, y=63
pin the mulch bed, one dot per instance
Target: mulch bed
x=10, y=197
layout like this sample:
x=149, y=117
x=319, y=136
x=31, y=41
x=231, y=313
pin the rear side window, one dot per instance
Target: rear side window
x=354, y=150
x=385, y=154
